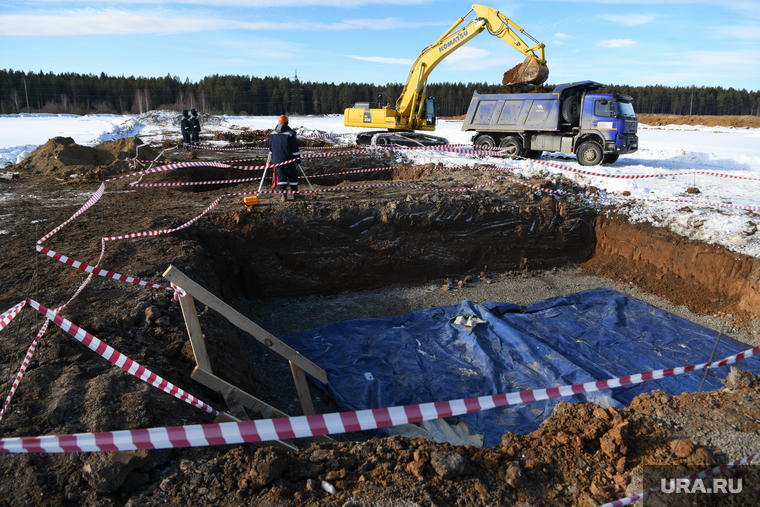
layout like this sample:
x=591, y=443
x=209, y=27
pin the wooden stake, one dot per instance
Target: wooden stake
x=302, y=386
x=194, y=331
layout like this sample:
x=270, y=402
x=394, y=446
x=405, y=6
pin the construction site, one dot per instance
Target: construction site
x=186, y=317
x=493, y=309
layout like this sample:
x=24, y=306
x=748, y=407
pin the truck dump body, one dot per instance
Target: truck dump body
x=518, y=112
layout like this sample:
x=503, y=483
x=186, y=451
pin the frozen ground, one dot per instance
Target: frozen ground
x=726, y=210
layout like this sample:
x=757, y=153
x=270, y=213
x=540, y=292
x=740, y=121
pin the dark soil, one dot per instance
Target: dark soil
x=325, y=244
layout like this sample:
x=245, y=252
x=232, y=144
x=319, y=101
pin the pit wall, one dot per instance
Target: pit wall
x=317, y=249
x=732, y=279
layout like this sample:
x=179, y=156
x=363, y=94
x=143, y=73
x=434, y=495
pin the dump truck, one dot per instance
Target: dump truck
x=596, y=127
x=414, y=112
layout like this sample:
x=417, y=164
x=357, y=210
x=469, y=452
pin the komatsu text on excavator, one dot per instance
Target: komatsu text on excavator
x=414, y=111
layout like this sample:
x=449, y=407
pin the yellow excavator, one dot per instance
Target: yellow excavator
x=414, y=111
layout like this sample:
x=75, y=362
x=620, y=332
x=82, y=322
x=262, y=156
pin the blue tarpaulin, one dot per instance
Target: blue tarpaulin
x=499, y=348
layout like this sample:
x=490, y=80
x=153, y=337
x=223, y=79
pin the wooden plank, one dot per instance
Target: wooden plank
x=303, y=389
x=212, y=381
x=236, y=318
x=194, y=331
x=234, y=404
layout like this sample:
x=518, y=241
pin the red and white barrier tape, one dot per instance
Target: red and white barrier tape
x=165, y=231
x=216, y=148
x=331, y=147
x=313, y=176
x=344, y=146
x=720, y=175
x=194, y=183
x=639, y=176
x=92, y=200
x=315, y=136
x=684, y=201
x=97, y=271
x=24, y=366
x=169, y=167
x=114, y=356
x=41, y=333
x=7, y=316
x=701, y=475
x=178, y=292
x=201, y=435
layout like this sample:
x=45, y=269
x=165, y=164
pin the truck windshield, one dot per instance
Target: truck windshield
x=626, y=109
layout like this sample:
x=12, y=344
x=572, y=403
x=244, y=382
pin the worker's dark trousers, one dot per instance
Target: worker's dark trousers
x=285, y=173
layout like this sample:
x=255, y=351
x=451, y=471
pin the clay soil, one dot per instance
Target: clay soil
x=324, y=246
x=709, y=121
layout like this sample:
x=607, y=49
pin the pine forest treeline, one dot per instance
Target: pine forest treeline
x=248, y=95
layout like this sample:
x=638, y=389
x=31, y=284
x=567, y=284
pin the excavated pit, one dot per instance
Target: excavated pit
x=334, y=246
x=364, y=238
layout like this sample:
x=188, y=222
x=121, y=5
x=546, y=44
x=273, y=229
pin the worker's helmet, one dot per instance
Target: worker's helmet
x=283, y=119
x=184, y=112
x=193, y=112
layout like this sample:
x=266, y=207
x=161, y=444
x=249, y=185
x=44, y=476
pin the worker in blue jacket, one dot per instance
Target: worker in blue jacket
x=186, y=127
x=284, y=146
x=195, y=123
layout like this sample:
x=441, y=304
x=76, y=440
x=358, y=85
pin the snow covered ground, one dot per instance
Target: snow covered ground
x=726, y=211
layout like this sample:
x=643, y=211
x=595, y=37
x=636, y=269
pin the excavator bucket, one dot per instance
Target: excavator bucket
x=530, y=71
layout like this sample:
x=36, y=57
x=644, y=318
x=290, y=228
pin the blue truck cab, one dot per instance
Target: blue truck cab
x=596, y=127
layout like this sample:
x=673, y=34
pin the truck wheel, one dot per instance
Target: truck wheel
x=512, y=147
x=571, y=109
x=485, y=141
x=610, y=159
x=589, y=153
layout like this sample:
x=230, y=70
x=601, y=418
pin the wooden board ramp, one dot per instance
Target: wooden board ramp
x=203, y=374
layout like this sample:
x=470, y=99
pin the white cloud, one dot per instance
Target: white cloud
x=628, y=19
x=687, y=68
x=251, y=49
x=616, y=43
x=558, y=43
x=119, y=22
x=388, y=23
x=470, y=59
x=561, y=35
x=382, y=59
x=744, y=32
x=254, y=3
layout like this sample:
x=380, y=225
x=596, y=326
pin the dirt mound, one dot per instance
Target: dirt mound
x=582, y=455
x=709, y=121
x=62, y=157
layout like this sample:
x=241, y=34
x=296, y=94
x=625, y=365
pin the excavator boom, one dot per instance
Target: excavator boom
x=413, y=111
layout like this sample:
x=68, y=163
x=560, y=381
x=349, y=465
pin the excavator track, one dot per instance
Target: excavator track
x=399, y=138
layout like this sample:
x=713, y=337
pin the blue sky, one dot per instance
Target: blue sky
x=635, y=42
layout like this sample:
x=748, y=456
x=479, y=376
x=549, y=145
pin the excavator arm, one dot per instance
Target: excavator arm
x=407, y=113
x=532, y=71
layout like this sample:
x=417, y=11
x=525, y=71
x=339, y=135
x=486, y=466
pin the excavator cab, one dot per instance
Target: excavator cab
x=428, y=112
